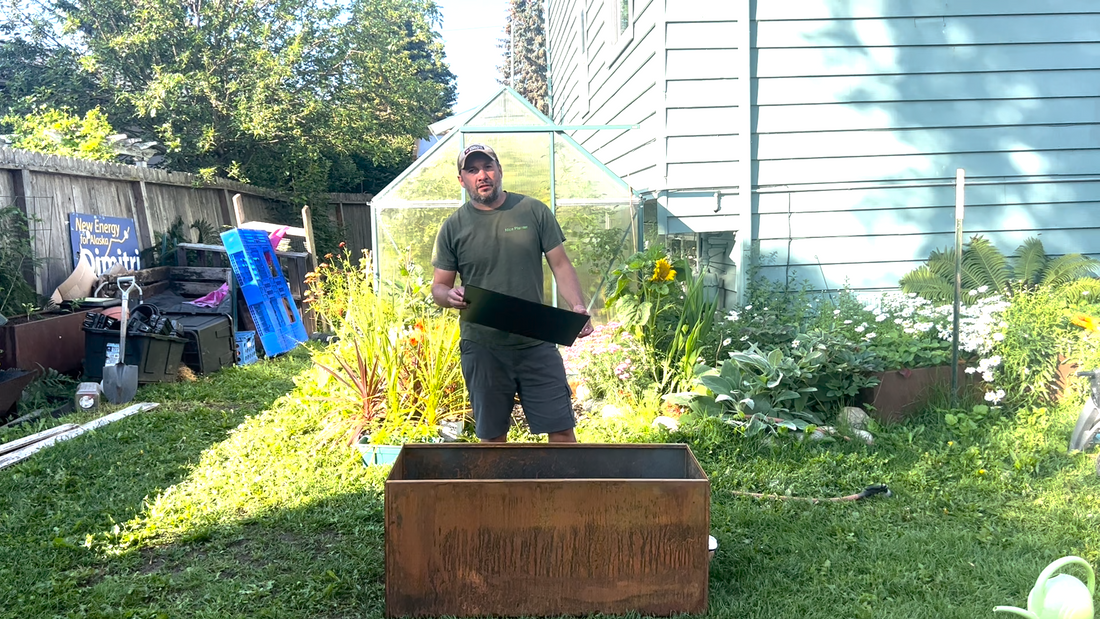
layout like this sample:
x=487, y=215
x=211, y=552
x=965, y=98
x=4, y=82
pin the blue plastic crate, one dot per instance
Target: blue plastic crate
x=246, y=347
x=279, y=326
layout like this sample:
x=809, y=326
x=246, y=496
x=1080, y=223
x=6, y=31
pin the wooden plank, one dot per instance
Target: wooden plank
x=699, y=35
x=934, y=29
x=1004, y=192
x=843, y=9
x=682, y=64
x=708, y=174
x=806, y=62
x=20, y=443
x=722, y=92
x=889, y=142
x=702, y=121
x=984, y=86
x=925, y=115
x=862, y=169
x=203, y=274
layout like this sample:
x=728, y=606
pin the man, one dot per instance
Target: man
x=497, y=241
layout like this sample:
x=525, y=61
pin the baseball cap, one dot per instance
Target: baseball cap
x=474, y=149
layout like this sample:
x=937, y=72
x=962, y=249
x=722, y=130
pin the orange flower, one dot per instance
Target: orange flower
x=1086, y=322
x=419, y=326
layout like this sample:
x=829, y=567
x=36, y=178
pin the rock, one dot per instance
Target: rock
x=668, y=423
x=864, y=436
x=583, y=393
x=854, y=417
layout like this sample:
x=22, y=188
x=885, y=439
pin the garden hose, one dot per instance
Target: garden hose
x=866, y=492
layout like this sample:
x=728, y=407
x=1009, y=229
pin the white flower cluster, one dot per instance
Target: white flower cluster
x=981, y=326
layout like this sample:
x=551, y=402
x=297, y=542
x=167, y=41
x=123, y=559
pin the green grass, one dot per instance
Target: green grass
x=222, y=503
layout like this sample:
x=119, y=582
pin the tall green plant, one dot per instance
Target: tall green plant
x=667, y=307
x=395, y=364
x=16, y=254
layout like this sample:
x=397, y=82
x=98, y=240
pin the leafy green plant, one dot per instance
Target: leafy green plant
x=16, y=254
x=163, y=250
x=986, y=271
x=843, y=368
x=667, y=307
x=762, y=389
x=61, y=132
x=963, y=423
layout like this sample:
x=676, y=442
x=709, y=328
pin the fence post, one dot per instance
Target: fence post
x=141, y=212
x=21, y=183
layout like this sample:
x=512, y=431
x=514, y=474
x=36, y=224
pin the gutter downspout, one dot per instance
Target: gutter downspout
x=744, y=239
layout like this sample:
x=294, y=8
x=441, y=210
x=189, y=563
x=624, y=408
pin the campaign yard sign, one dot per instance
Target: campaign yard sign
x=103, y=242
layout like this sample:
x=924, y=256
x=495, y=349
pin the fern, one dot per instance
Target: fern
x=1031, y=262
x=986, y=264
x=928, y=284
x=1067, y=268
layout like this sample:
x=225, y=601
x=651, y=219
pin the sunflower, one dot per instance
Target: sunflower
x=663, y=271
x=1088, y=323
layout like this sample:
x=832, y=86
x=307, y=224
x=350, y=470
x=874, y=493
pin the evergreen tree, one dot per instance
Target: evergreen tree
x=527, y=75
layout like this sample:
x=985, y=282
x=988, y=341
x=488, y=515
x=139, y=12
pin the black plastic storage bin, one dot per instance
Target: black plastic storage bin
x=157, y=357
x=210, y=342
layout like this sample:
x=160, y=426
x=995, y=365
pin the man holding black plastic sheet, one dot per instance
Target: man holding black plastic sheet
x=497, y=241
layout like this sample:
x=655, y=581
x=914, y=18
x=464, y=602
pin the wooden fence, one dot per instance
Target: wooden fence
x=48, y=187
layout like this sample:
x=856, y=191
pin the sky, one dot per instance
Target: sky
x=471, y=30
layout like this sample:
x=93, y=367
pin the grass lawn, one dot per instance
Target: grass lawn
x=221, y=503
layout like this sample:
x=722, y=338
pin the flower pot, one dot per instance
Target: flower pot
x=377, y=454
x=901, y=393
x=44, y=340
x=12, y=383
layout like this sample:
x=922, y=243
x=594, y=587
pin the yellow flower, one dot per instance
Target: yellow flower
x=1088, y=323
x=663, y=271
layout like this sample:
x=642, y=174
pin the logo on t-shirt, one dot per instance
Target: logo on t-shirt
x=515, y=228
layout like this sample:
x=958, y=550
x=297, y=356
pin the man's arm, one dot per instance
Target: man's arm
x=569, y=285
x=444, y=292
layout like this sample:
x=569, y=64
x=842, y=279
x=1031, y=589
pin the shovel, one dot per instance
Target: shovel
x=120, y=381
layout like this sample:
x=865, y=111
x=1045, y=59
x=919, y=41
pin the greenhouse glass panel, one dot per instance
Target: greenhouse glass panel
x=592, y=205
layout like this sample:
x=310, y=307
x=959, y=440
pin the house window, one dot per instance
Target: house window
x=622, y=19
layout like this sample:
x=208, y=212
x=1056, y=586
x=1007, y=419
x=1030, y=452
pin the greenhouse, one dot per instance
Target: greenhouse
x=593, y=206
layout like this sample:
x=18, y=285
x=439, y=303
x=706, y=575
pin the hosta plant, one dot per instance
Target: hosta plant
x=764, y=390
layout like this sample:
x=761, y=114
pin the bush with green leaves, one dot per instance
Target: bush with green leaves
x=62, y=132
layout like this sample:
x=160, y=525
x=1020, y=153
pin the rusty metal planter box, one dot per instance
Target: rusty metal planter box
x=543, y=529
x=48, y=340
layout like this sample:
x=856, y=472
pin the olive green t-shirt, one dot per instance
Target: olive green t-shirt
x=500, y=250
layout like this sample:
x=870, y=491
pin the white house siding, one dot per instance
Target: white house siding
x=602, y=80
x=864, y=109
x=679, y=80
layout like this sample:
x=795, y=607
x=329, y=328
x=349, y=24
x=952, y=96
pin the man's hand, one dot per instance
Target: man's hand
x=587, y=330
x=456, y=297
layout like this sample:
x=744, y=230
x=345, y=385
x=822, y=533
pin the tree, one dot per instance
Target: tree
x=524, y=32
x=60, y=132
x=299, y=97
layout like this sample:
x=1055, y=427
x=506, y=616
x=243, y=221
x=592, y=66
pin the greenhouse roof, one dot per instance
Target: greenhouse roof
x=431, y=181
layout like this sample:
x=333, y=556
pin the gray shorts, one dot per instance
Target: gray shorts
x=495, y=375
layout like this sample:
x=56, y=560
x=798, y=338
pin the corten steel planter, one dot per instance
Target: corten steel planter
x=538, y=529
x=47, y=340
x=901, y=393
